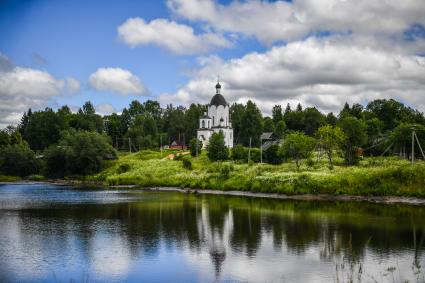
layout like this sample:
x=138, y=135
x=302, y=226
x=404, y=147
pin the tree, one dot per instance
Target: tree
x=78, y=152
x=217, y=150
x=114, y=128
x=18, y=160
x=43, y=129
x=191, y=118
x=252, y=126
x=280, y=129
x=273, y=155
x=297, y=146
x=330, y=138
x=355, y=136
x=268, y=125
x=331, y=119
x=277, y=114
x=313, y=120
x=195, y=147
x=239, y=153
x=237, y=112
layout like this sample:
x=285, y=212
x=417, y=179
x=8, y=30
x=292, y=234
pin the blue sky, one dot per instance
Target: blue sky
x=268, y=51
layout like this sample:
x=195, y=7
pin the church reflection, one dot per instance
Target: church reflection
x=223, y=227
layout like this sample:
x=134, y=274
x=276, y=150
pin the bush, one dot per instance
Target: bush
x=255, y=155
x=217, y=149
x=187, y=164
x=195, y=147
x=123, y=168
x=239, y=153
x=225, y=171
x=18, y=160
x=78, y=152
x=272, y=155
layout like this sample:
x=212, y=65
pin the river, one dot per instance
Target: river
x=52, y=233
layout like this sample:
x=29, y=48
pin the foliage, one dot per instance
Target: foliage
x=297, y=146
x=273, y=155
x=195, y=147
x=251, y=125
x=330, y=138
x=187, y=164
x=43, y=129
x=217, y=150
x=239, y=153
x=78, y=152
x=18, y=160
x=355, y=137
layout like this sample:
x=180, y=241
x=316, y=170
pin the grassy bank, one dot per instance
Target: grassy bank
x=371, y=177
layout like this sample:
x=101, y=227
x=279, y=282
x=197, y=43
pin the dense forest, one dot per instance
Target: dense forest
x=65, y=139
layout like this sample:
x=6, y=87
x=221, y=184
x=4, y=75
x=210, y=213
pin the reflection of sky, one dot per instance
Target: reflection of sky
x=53, y=249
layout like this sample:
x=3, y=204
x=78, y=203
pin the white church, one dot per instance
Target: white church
x=216, y=119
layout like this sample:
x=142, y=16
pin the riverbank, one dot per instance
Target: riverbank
x=371, y=177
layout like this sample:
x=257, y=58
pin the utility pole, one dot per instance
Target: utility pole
x=413, y=145
x=420, y=147
x=261, y=150
x=249, y=150
x=196, y=145
x=160, y=137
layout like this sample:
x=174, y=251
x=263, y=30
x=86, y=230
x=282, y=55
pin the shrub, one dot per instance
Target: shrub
x=78, y=152
x=272, y=155
x=225, y=172
x=187, y=164
x=18, y=160
x=239, y=153
x=255, y=155
x=123, y=168
x=195, y=147
x=217, y=149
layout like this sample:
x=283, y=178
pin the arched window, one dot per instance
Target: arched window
x=203, y=124
x=213, y=121
x=209, y=124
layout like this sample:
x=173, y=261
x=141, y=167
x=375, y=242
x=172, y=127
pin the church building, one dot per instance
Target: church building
x=216, y=119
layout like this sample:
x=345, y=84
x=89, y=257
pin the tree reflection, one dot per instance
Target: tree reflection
x=220, y=226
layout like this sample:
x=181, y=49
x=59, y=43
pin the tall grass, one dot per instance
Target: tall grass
x=371, y=177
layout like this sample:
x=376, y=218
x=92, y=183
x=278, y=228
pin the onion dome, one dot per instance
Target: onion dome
x=218, y=99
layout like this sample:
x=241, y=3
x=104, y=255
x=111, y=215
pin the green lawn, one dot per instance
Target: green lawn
x=372, y=176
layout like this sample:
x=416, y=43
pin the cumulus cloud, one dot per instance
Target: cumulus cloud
x=316, y=72
x=272, y=21
x=22, y=88
x=177, y=38
x=72, y=85
x=117, y=80
x=105, y=109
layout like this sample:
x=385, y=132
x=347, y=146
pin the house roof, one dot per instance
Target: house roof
x=267, y=136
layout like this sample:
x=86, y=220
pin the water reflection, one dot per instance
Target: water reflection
x=86, y=235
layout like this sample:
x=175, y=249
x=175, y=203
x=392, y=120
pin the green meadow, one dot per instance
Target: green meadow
x=372, y=176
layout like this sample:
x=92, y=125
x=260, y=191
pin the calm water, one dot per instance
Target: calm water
x=58, y=234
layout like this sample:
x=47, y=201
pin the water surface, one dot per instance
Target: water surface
x=60, y=234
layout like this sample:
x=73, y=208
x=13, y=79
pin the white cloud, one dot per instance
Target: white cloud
x=315, y=72
x=105, y=109
x=177, y=38
x=72, y=85
x=22, y=88
x=117, y=80
x=282, y=20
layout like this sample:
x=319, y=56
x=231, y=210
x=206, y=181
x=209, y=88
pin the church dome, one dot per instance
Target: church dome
x=218, y=99
x=218, y=85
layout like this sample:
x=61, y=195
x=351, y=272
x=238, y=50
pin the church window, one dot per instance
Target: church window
x=203, y=124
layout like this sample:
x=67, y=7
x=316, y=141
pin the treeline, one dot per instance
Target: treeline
x=50, y=139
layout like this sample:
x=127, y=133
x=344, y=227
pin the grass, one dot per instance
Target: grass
x=371, y=177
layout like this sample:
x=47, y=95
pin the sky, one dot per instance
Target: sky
x=319, y=53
